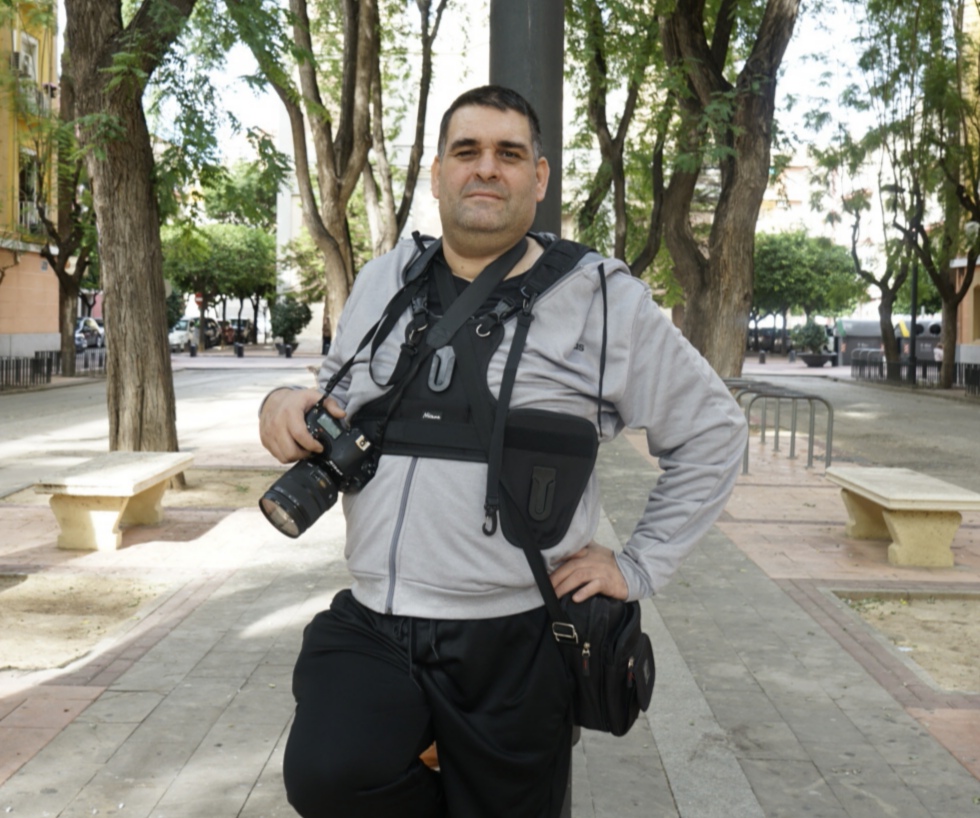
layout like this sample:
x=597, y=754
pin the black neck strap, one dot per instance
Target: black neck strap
x=471, y=299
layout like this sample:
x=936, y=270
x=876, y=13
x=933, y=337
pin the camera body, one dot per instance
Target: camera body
x=347, y=453
x=298, y=499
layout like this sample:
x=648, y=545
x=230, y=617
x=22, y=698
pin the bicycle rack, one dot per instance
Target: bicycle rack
x=761, y=390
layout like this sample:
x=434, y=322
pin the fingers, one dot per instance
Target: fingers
x=590, y=571
x=282, y=424
x=334, y=408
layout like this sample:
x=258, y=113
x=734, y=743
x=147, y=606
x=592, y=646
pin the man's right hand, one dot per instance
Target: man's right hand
x=282, y=423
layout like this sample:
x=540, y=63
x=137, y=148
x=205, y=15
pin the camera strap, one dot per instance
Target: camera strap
x=458, y=313
x=400, y=301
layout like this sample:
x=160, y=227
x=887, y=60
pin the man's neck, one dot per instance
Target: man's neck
x=469, y=267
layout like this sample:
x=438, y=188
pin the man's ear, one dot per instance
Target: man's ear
x=542, y=171
x=434, y=178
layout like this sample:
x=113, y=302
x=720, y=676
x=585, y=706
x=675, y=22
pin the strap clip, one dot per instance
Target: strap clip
x=490, y=521
x=564, y=632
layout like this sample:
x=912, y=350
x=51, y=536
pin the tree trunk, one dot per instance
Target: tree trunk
x=718, y=285
x=67, y=310
x=140, y=391
x=379, y=200
x=947, y=372
x=888, y=339
x=142, y=415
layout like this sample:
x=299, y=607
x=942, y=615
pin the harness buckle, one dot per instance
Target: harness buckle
x=529, y=299
x=564, y=632
x=413, y=334
x=494, y=317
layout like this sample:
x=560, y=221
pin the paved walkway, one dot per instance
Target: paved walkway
x=773, y=699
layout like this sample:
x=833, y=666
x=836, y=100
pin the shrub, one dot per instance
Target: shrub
x=289, y=317
x=811, y=337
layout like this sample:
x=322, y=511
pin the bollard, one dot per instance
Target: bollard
x=192, y=349
x=762, y=356
x=792, y=356
x=239, y=350
x=288, y=349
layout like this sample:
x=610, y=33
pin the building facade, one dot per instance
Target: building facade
x=28, y=96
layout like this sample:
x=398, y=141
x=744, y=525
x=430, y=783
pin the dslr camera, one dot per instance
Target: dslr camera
x=301, y=496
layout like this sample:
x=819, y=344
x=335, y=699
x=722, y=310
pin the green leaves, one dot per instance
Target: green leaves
x=219, y=259
x=796, y=272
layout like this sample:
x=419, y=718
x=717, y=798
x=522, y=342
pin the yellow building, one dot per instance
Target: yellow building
x=968, y=322
x=28, y=94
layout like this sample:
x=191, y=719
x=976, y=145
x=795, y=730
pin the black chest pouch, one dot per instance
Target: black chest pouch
x=546, y=465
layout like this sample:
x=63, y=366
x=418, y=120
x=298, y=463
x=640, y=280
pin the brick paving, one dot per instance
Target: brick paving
x=773, y=699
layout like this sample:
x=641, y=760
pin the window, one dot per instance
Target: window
x=27, y=58
x=27, y=195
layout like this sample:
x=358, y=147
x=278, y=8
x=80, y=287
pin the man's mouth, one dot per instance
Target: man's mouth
x=483, y=194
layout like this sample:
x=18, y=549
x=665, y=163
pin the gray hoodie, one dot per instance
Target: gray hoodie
x=415, y=544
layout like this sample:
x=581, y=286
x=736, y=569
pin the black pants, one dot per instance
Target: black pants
x=372, y=692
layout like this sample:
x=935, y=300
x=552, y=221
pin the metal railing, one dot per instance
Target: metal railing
x=762, y=391
x=870, y=365
x=88, y=363
x=971, y=379
x=17, y=373
x=91, y=363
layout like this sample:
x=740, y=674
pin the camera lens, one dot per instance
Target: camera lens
x=298, y=498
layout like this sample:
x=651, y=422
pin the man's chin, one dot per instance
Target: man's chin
x=482, y=223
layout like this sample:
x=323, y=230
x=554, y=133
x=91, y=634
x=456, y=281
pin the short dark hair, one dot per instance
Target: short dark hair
x=501, y=98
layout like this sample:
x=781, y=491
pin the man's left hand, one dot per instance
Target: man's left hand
x=588, y=572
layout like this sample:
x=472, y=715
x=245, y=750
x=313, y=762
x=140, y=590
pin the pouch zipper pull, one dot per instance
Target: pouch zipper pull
x=586, y=653
x=630, y=675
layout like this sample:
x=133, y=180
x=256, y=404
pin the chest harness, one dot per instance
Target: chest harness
x=439, y=404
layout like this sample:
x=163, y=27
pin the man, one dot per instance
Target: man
x=443, y=636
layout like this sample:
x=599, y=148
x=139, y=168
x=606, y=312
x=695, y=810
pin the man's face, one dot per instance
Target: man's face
x=488, y=183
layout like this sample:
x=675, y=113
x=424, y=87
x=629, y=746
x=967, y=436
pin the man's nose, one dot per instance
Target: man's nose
x=487, y=166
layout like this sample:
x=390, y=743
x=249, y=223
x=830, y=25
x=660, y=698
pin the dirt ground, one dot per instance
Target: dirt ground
x=941, y=635
x=47, y=621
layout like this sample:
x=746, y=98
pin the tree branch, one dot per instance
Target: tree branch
x=425, y=83
x=151, y=32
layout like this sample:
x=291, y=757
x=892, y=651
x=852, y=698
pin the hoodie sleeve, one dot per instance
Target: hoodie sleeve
x=693, y=427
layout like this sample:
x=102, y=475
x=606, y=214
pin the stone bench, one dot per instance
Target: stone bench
x=92, y=500
x=918, y=513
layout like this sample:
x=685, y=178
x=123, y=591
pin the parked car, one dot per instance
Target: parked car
x=235, y=329
x=184, y=333
x=81, y=342
x=93, y=333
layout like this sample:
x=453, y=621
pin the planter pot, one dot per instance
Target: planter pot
x=817, y=359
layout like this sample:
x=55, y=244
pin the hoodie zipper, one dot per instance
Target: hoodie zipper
x=396, y=535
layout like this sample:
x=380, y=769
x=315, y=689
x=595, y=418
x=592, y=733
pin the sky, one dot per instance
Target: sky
x=802, y=76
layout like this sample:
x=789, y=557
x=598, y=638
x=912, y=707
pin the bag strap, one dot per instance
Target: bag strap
x=455, y=316
x=495, y=454
x=561, y=628
x=400, y=301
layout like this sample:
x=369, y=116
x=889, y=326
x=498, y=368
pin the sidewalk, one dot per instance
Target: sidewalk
x=773, y=699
